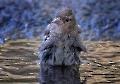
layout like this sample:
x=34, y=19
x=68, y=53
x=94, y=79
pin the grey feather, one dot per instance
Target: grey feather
x=62, y=41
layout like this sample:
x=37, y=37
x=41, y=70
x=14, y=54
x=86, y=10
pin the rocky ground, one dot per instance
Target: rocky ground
x=99, y=19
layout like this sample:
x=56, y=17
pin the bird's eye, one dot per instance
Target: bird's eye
x=67, y=20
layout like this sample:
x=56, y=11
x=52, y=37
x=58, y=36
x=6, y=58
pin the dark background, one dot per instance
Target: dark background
x=99, y=19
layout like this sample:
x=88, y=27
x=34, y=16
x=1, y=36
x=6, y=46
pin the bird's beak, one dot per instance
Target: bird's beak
x=57, y=21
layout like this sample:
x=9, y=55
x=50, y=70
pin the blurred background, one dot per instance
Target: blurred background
x=21, y=20
x=99, y=19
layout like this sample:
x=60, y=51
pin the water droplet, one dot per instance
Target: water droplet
x=48, y=24
x=99, y=65
x=79, y=26
x=47, y=38
x=1, y=69
x=111, y=62
x=31, y=73
x=34, y=53
x=69, y=35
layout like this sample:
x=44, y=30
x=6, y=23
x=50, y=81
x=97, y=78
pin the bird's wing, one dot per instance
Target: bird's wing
x=78, y=43
x=47, y=46
x=48, y=41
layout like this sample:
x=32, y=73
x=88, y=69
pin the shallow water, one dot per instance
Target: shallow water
x=19, y=64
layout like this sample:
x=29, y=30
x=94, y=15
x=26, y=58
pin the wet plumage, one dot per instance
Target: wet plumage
x=62, y=42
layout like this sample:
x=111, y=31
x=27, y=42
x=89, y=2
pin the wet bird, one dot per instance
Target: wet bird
x=62, y=41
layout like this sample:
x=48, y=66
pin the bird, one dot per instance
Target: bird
x=62, y=42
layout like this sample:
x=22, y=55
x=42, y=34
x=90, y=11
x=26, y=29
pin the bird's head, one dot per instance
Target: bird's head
x=66, y=18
